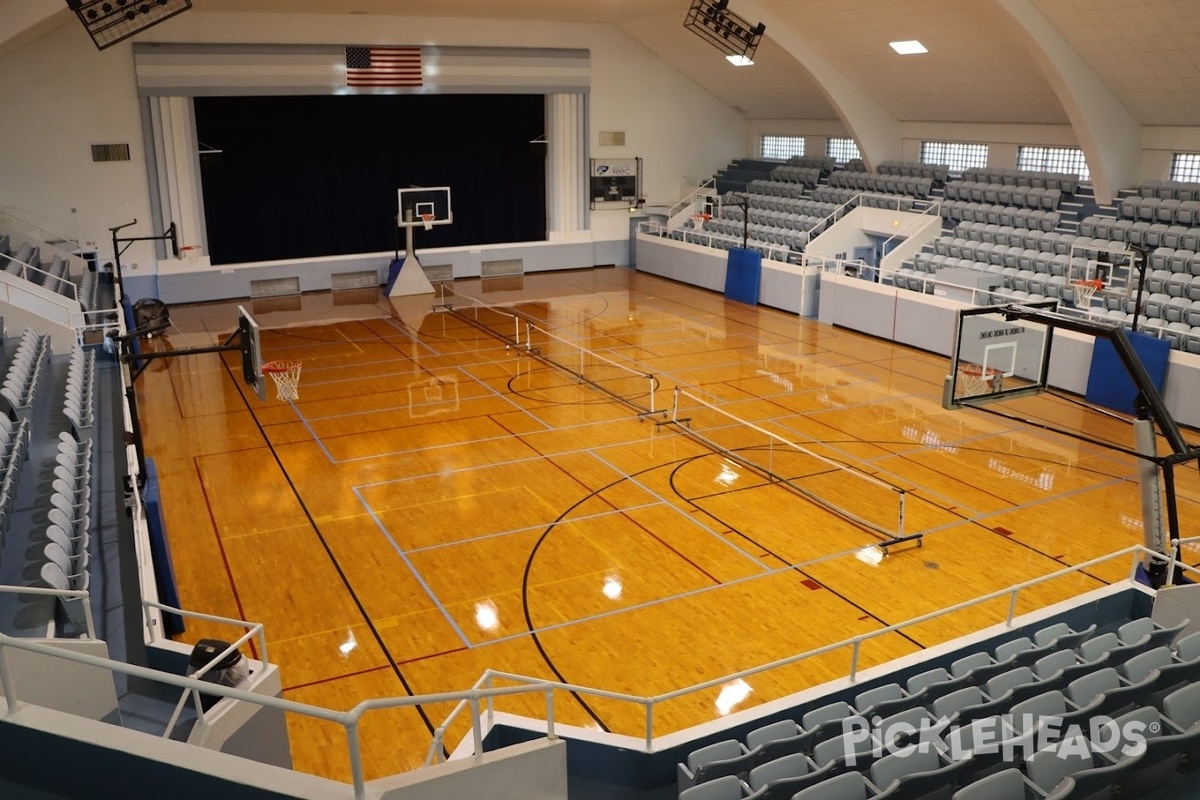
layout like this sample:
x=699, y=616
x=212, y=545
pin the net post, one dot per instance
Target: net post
x=356, y=765
x=675, y=406
x=581, y=364
x=476, y=730
x=517, y=332
x=771, y=456
x=900, y=522
x=650, y=378
x=649, y=726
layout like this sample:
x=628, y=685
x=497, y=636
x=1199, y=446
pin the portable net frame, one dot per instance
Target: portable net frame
x=622, y=382
x=286, y=375
x=858, y=497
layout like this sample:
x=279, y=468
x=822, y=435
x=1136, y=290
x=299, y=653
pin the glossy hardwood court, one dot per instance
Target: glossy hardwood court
x=437, y=503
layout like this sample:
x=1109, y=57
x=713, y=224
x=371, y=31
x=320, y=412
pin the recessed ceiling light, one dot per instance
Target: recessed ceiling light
x=910, y=48
x=739, y=61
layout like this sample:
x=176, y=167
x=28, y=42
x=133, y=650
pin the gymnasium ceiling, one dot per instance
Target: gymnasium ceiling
x=979, y=67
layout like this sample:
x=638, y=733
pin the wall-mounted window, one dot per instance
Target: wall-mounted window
x=1186, y=167
x=780, y=147
x=842, y=149
x=959, y=156
x=1054, y=159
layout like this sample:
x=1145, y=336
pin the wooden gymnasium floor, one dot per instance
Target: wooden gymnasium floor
x=436, y=504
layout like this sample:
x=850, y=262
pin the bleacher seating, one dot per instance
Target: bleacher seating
x=997, y=193
x=1134, y=674
x=938, y=173
x=823, y=163
x=79, y=402
x=25, y=373
x=1037, y=219
x=1068, y=184
x=886, y=184
x=809, y=176
x=1165, y=190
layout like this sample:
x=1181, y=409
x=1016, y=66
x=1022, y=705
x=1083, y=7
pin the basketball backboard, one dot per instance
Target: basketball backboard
x=996, y=357
x=424, y=206
x=251, y=346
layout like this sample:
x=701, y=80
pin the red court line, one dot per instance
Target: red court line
x=336, y=678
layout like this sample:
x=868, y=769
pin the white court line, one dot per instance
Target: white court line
x=715, y=534
x=536, y=527
x=769, y=572
x=412, y=568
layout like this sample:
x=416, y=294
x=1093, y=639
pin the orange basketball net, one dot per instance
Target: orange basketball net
x=286, y=375
x=698, y=220
x=1085, y=290
x=974, y=380
x=427, y=221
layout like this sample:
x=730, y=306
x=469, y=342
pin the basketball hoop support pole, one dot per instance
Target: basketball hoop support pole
x=1143, y=258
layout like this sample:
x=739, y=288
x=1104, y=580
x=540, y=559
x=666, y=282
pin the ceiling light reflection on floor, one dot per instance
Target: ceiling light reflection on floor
x=486, y=617
x=612, y=588
x=732, y=694
x=870, y=555
x=348, y=646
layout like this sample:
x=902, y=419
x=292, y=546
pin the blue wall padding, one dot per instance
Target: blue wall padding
x=160, y=550
x=1109, y=384
x=743, y=272
x=393, y=273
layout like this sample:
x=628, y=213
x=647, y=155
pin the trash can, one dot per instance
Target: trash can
x=231, y=671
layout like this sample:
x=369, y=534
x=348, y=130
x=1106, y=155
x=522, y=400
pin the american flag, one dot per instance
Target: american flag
x=383, y=66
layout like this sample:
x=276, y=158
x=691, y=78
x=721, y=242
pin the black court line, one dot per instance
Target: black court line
x=332, y=558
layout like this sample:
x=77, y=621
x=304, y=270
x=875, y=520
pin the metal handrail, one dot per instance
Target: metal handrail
x=936, y=207
x=471, y=699
x=27, y=267
x=79, y=594
x=347, y=719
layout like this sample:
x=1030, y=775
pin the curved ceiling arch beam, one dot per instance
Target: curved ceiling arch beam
x=877, y=132
x=22, y=21
x=1110, y=136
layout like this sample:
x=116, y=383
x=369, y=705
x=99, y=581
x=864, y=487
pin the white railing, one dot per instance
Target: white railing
x=886, y=495
x=770, y=251
x=911, y=226
x=12, y=224
x=485, y=691
x=349, y=720
x=81, y=595
x=687, y=206
x=648, y=704
x=46, y=280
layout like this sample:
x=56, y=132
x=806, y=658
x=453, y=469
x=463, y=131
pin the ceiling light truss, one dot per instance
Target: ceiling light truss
x=734, y=36
x=112, y=21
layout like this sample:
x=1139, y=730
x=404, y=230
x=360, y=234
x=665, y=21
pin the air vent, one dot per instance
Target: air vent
x=612, y=138
x=274, y=287
x=439, y=273
x=363, y=279
x=498, y=269
x=110, y=152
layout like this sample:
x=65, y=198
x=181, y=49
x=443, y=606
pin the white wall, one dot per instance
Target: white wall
x=59, y=96
x=1159, y=146
x=72, y=96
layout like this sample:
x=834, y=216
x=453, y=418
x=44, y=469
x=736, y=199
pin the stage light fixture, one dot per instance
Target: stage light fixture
x=109, y=22
x=713, y=22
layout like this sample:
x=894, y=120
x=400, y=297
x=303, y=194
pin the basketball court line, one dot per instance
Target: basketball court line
x=528, y=528
x=412, y=568
x=715, y=534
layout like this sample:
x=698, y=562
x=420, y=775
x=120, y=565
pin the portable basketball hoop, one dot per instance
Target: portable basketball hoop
x=698, y=220
x=1085, y=290
x=427, y=221
x=974, y=379
x=287, y=378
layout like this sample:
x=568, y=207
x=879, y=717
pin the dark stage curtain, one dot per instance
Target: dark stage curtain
x=316, y=176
